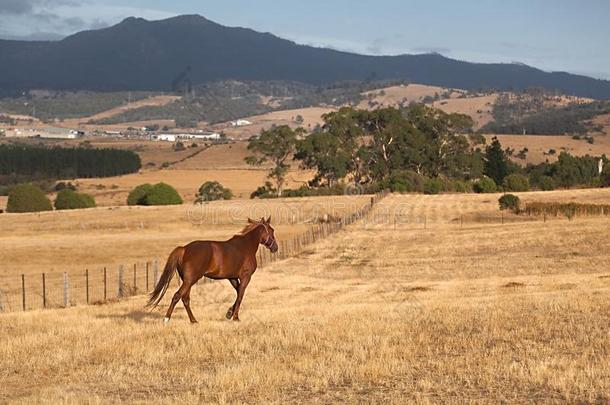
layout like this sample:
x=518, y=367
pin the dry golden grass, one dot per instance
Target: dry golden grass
x=539, y=146
x=311, y=117
x=75, y=240
x=479, y=108
x=485, y=313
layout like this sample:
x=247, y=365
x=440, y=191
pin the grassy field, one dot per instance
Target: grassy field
x=75, y=240
x=487, y=312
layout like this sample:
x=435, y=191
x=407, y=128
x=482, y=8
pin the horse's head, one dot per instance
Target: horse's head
x=268, y=235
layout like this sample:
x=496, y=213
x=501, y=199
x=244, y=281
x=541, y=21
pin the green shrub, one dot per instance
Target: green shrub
x=137, y=196
x=516, y=182
x=605, y=177
x=162, y=194
x=485, y=185
x=462, y=186
x=70, y=200
x=213, y=191
x=27, y=198
x=433, y=186
x=510, y=202
x=266, y=191
x=404, y=181
x=545, y=183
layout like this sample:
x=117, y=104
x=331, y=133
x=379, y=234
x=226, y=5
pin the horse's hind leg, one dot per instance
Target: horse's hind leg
x=186, y=300
x=235, y=284
x=179, y=294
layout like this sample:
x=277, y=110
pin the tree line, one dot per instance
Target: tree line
x=30, y=161
x=414, y=149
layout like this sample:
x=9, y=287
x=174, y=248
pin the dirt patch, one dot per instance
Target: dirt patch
x=514, y=284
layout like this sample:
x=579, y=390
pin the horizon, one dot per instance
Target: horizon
x=465, y=32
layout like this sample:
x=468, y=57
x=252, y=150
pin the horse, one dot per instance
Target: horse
x=233, y=260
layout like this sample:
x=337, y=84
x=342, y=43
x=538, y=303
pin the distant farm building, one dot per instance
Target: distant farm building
x=212, y=136
x=45, y=133
x=240, y=123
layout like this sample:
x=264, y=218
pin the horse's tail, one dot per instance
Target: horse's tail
x=173, y=263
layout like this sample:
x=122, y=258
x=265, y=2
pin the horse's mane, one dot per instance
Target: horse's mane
x=248, y=228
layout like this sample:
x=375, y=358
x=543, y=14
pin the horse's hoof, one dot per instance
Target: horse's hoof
x=165, y=320
x=194, y=322
x=229, y=314
x=235, y=319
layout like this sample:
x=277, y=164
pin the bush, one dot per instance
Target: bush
x=516, y=182
x=485, y=185
x=404, y=181
x=137, y=196
x=546, y=183
x=266, y=191
x=27, y=198
x=162, y=194
x=213, y=191
x=510, y=202
x=433, y=186
x=70, y=200
x=462, y=186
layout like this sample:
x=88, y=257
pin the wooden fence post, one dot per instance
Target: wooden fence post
x=121, y=291
x=44, y=291
x=87, y=284
x=135, y=279
x=1, y=301
x=147, y=286
x=66, y=290
x=23, y=291
x=105, y=286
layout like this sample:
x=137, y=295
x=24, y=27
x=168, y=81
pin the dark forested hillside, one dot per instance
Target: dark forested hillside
x=179, y=52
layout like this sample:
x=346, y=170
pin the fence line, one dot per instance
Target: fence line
x=62, y=290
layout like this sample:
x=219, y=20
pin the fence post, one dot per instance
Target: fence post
x=147, y=287
x=135, y=279
x=1, y=301
x=23, y=291
x=121, y=291
x=87, y=284
x=66, y=290
x=155, y=272
x=105, y=285
x=44, y=291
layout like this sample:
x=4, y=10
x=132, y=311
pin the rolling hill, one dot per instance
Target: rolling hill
x=175, y=53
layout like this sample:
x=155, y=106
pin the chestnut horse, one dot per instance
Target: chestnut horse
x=233, y=260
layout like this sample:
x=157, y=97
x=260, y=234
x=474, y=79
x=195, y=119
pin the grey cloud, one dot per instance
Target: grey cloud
x=16, y=7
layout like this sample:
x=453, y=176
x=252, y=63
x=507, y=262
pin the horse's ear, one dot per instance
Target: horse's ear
x=251, y=221
x=269, y=219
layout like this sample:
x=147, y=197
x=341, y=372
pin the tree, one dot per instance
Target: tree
x=27, y=198
x=70, y=200
x=274, y=146
x=516, y=182
x=213, y=191
x=137, y=196
x=509, y=202
x=496, y=163
x=485, y=185
x=322, y=151
x=162, y=194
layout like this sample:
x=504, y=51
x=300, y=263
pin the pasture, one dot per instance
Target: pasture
x=380, y=312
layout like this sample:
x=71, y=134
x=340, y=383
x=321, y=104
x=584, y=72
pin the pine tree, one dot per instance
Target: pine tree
x=496, y=163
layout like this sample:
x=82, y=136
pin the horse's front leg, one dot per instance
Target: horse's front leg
x=235, y=284
x=243, y=284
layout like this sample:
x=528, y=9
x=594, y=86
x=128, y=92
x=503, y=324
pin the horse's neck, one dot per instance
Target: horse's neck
x=251, y=240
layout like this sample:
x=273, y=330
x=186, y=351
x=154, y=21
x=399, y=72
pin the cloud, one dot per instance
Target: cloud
x=28, y=18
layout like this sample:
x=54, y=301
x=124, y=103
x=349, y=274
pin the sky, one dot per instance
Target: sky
x=553, y=35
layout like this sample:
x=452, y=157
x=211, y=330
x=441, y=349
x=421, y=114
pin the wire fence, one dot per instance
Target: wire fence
x=27, y=292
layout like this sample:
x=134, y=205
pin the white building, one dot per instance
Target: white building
x=240, y=123
x=212, y=136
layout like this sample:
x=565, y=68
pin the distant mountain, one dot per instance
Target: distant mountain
x=137, y=54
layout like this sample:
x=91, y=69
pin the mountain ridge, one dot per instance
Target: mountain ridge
x=138, y=54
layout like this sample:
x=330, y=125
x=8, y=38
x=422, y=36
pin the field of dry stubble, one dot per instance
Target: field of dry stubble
x=485, y=312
